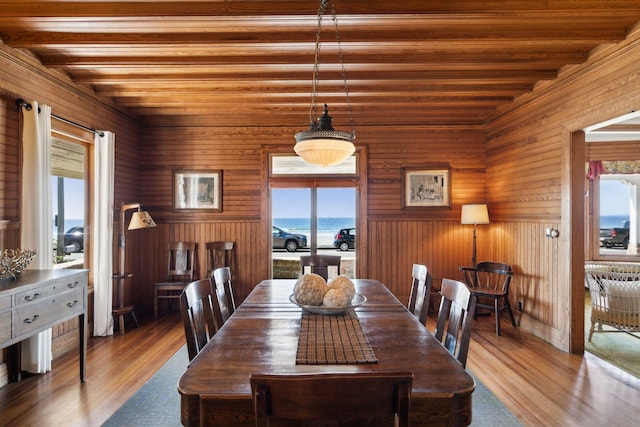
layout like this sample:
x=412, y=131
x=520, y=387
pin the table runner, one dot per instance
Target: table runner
x=332, y=340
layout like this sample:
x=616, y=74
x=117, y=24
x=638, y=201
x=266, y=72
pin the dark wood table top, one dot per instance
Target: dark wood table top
x=262, y=336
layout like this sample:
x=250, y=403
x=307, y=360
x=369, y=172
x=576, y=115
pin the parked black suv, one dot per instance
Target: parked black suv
x=74, y=240
x=345, y=239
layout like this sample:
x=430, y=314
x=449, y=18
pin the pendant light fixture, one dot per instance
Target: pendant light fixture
x=321, y=144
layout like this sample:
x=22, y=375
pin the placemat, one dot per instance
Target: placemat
x=332, y=340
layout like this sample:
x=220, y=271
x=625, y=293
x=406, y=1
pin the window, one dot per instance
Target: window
x=69, y=151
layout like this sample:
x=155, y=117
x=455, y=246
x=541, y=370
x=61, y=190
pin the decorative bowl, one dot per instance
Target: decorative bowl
x=357, y=301
x=13, y=261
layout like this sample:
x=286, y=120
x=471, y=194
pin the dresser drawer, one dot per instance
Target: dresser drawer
x=37, y=315
x=5, y=302
x=5, y=326
x=51, y=288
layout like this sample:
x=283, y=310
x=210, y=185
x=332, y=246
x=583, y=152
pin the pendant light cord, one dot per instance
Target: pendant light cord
x=313, y=110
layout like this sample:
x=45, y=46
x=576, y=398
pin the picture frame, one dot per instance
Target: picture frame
x=426, y=187
x=197, y=190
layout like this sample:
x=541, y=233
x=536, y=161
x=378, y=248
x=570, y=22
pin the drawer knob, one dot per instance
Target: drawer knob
x=33, y=319
x=73, y=285
x=32, y=297
x=72, y=304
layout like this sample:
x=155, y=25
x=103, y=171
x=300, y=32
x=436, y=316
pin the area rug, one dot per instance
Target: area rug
x=618, y=348
x=157, y=403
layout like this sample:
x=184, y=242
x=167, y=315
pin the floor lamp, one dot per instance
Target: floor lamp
x=139, y=219
x=474, y=214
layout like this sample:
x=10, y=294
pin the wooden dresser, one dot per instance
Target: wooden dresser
x=37, y=300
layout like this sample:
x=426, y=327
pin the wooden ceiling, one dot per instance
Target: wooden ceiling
x=250, y=62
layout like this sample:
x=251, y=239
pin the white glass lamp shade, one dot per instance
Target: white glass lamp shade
x=474, y=214
x=141, y=219
x=324, y=151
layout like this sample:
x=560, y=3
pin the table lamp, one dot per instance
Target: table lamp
x=474, y=214
x=139, y=219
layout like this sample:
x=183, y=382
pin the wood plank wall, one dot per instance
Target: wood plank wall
x=22, y=76
x=397, y=238
x=528, y=181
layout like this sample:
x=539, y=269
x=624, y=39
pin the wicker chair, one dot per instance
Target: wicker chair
x=615, y=296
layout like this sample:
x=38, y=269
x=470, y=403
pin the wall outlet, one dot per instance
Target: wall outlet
x=520, y=306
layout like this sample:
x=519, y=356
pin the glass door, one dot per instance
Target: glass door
x=308, y=218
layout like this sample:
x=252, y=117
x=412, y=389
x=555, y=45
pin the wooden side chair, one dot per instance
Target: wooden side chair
x=453, y=327
x=181, y=270
x=421, y=282
x=351, y=399
x=219, y=254
x=489, y=282
x=196, y=308
x=320, y=264
x=224, y=304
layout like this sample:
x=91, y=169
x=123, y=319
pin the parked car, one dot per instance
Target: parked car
x=74, y=240
x=345, y=239
x=617, y=236
x=290, y=242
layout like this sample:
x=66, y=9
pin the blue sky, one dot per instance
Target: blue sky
x=73, y=197
x=614, y=198
x=295, y=203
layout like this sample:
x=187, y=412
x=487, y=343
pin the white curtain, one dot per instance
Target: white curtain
x=37, y=226
x=104, y=150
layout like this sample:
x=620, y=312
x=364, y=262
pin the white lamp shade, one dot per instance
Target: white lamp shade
x=474, y=214
x=324, y=152
x=141, y=219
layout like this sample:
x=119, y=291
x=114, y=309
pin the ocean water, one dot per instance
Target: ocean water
x=303, y=225
x=611, y=221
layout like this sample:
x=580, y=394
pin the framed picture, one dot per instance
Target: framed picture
x=197, y=190
x=426, y=186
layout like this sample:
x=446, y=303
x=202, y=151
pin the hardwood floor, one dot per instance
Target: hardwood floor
x=117, y=367
x=541, y=385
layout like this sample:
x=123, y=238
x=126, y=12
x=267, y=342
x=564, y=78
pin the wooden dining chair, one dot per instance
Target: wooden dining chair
x=489, y=282
x=421, y=282
x=349, y=399
x=224, y=304
x=219, y=254
x=196, y=308
x=181, y=270
x=320, y=264
x=453, y=327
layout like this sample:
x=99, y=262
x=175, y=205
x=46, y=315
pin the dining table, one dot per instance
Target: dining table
x=270, y=334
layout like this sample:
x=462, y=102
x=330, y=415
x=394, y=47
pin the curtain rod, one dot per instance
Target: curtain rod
x=22, y=103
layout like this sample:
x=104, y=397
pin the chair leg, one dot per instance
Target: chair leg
x=135, y=319
x=508, y=307
x=497, y=310
x=155, y=303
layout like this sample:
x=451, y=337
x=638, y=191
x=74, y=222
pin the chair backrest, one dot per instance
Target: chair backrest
x=453, y=327
x=197, y=315
x=495, y=276
x=219, y=254
x=320, y=264
x=224, y=304
x=421, y=282
x=181, y=261
x=332, y=397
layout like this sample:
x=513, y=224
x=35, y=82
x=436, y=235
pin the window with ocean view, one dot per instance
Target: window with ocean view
x=618, y=215
x=68, y=202
x=318, y=220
